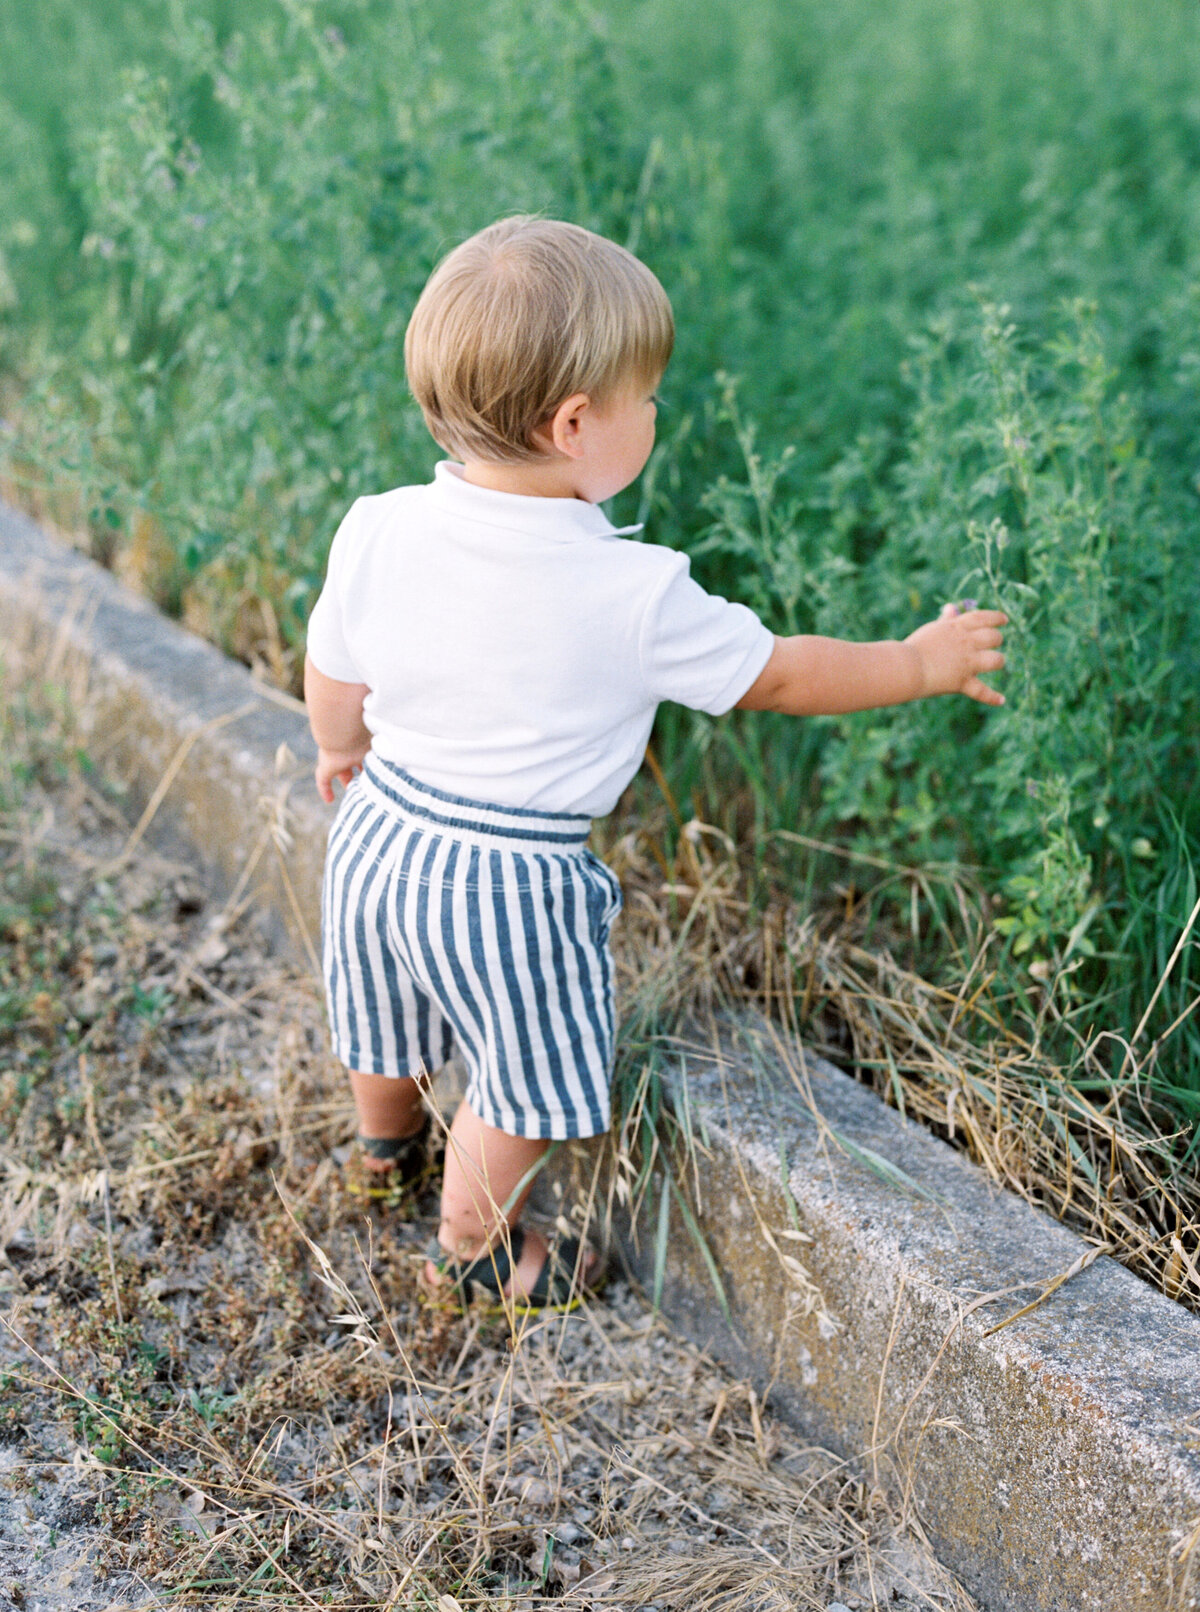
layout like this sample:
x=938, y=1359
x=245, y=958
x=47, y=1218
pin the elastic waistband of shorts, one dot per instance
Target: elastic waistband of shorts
x=517, y=826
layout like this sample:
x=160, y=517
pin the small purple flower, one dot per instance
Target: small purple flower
x=967, y=604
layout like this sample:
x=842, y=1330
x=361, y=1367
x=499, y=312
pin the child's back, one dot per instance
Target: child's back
x=516, y=648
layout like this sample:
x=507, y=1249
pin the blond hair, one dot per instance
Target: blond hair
x=519, y=318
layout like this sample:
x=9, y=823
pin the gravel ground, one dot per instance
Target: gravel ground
x=219, y=1386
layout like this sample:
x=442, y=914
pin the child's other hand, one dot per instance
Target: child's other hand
x=339, y=764
x=953, y=650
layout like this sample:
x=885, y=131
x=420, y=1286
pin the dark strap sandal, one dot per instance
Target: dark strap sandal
x=560, y=1285
x=405, y=1154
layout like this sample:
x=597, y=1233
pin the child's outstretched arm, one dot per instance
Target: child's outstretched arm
x=335, y=716
x=808, y=676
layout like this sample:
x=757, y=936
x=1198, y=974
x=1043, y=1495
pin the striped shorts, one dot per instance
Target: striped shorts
x=451, y=921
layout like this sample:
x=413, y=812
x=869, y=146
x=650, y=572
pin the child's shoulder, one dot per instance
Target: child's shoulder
x=655, y=562
x=372, y=513
x=369, y=507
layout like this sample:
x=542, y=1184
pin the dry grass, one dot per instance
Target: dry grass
x=221, y=1360
x=699, y=938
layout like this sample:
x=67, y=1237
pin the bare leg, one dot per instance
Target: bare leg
x=387, y=1107
x=483, y=1169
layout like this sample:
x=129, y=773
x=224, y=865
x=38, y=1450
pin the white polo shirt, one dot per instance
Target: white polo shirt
x=515, y=648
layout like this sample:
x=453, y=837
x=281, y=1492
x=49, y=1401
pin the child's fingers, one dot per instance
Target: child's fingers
x=976, y=690
x=971, y=616
x=987, y=638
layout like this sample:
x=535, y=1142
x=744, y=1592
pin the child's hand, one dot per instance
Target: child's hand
x=954, y=649
x=340, y=764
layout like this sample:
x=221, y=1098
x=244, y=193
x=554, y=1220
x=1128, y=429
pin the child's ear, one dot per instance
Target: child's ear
x=563, y=432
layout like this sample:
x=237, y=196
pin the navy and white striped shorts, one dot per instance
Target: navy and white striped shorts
x=449, y=920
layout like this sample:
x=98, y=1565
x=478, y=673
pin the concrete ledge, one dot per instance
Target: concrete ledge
x=1055, y=1463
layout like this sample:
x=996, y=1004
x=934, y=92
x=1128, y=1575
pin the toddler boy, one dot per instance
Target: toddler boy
x=484, y=665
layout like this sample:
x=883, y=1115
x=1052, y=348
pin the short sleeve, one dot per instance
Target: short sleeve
x=326, y=641
x=699, y=649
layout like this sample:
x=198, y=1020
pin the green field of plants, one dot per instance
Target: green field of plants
x=935, y=272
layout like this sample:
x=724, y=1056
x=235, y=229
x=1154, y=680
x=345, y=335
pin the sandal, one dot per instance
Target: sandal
x=559, y=1286
x=405, y=1154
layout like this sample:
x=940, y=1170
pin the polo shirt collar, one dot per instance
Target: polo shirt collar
x=561, y=518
